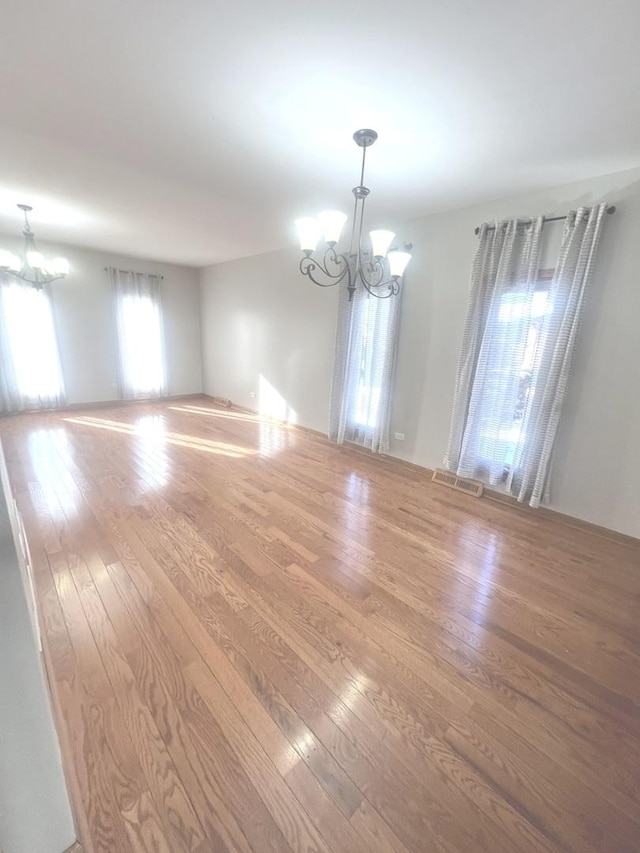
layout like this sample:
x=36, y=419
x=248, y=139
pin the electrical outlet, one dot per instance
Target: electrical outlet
x=252, y=394
x=399, y=436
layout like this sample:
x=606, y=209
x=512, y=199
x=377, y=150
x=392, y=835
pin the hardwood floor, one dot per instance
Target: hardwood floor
x=258, y=641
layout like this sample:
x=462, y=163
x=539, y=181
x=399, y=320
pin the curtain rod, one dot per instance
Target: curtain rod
x=610, y=209
x=106, y=269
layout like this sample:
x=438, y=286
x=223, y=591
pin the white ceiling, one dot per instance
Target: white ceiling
x=195, y=131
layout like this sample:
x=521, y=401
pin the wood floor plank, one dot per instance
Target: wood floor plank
x=292, y=820
x=165, y=787
x=259, y=641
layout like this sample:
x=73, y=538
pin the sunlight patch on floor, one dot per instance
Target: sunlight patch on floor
x=273, y=432
x=274, y=435
x=155, y=461
x=178, y=439
x=226, y=414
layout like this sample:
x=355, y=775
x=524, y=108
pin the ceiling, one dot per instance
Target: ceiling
x=195, y=132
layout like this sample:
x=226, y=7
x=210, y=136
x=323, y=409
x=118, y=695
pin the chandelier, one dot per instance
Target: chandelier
x=378, y=269
x=32, y=267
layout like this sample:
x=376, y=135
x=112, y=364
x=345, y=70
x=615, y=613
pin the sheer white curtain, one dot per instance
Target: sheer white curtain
x=366, y=350
x=516, y=355
x=30, y=373
x=505, y=270
x=529, y=475
x=141, y=364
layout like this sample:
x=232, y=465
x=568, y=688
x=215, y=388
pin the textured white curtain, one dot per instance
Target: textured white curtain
x=366, y=350
x=505, y=268
x=30, y=374
x=529, y=475
x=141, y=364
x=516, y=355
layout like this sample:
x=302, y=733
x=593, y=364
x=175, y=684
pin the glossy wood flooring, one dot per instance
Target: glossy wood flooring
x=261, y=642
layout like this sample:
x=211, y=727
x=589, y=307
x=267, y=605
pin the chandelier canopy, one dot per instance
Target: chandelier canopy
x=378, y=269
x=32, y=267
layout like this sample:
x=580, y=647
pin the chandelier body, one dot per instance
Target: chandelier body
x=379, y=270
x=32, y=267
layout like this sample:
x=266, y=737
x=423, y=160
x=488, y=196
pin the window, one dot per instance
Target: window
x=527, y=312
x=517, y=349
x=140, y=335
x=504, y=386
x=141, y=345
x=366, y=343
x=32, y=364
x=373, y=330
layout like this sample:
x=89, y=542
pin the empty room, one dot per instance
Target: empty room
x=319, y=427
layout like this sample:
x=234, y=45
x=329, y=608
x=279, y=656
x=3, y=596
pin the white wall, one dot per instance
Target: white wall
x=84, y=320
x=261, y=323
x=259, y=316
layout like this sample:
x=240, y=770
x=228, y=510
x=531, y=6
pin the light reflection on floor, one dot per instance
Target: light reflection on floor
x=51, y=457
x=153, y=458
x=358, y=489
x=481, y=557
x=355, y=515
x=355, y=520
x=351, y=696
x=274, y=438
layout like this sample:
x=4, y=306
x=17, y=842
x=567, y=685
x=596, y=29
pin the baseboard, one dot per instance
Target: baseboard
x=105, y=404
x=540, y=512
x=568, y=520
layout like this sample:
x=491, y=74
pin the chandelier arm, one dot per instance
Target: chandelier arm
x=391, y=284
x=37, y=280
x=374, y=287
x=309, y=264
x=374, y=268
